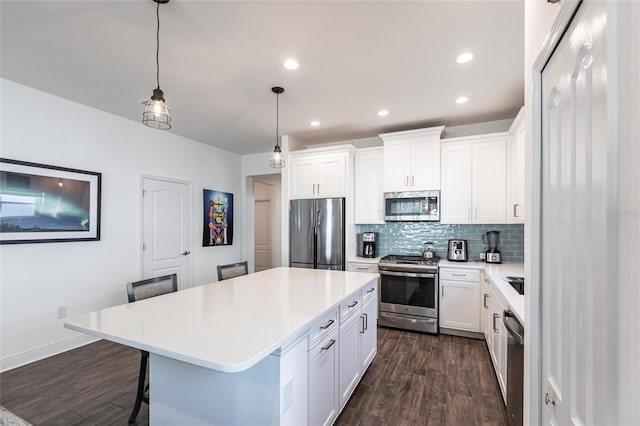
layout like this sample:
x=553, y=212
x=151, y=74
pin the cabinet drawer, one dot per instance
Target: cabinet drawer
x=459, y=274
x=369, y=292
x=323, y=327
x=362, y=267
x=349, y=306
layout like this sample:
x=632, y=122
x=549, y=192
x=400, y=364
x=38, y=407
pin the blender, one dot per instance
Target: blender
x=493, y=254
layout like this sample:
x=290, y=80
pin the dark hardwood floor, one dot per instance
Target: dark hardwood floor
x=416, y=379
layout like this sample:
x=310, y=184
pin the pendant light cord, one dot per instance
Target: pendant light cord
x=277, y=117
x=158, y=46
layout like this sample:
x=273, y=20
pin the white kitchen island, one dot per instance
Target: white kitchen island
x=236, y=351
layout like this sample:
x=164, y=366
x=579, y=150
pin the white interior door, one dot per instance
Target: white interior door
x=166, y=224
x=262, y=232
x=576, y=310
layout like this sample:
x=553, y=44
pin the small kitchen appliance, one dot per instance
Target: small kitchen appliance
x=369, y=244
x=457, y=251
x=493, y=254
x=412, y=206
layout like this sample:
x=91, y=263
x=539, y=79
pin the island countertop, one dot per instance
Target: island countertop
x=230, y=325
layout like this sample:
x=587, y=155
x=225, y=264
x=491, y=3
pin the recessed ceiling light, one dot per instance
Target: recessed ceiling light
x=315, y=123
x=383, y=113
x=291, y=64
x=464, y=57
x=462, y=100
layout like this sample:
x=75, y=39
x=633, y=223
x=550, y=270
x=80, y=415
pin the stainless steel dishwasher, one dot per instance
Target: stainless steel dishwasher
x=515, y=367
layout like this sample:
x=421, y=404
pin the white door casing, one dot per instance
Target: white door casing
x=576, y=182
x=262, y=233
x=166, y=229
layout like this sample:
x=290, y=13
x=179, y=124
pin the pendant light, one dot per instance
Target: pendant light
x=156, y=112
x=277, y=162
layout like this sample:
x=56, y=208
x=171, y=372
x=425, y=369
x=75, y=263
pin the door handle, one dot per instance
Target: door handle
x=355, y=302
x=548, y=400
x=366, y=320
x=331, y=342
x=363, y=326
x=495, y=327
x=186, y=253
x=515, y=211
x=442, y=291
x=327, y=325
x=485, y=301
x=318, y=189
x=413, y=180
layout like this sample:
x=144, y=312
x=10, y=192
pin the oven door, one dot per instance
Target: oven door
x=409, y=293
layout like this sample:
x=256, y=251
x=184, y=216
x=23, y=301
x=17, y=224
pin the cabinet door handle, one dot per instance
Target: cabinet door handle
x=362, y=330
x=371, y=290
x=459, y=275
x=485, y=301
x=366, y=321
x=442, y=291
x=413, y=180
x=318, y=189
x=314, y=188
x=495, y=317
x=326, y=348
x=327, y=325
x=515, y=211
x=355, y=302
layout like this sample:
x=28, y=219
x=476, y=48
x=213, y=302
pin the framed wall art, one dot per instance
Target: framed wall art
x=41, y=203
x=217, y=228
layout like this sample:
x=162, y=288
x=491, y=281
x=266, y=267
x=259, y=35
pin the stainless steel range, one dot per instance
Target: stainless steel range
x=409, y=293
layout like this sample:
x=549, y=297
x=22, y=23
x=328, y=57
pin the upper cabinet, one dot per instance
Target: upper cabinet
x=412, y=160
x=515, y=170
x=318, y=174
x=368, y=186
x=473, y=179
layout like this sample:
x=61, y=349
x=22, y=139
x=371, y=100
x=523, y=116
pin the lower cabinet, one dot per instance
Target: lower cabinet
x=459, y=295
x=496, y=335
x=340, y=354
x=323, y=380
x=349, y=356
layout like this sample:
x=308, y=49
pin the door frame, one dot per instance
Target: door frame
x=533, y=384
x=189, y=184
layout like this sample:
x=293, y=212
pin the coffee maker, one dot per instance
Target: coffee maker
x=493, y=254
x=369, y=244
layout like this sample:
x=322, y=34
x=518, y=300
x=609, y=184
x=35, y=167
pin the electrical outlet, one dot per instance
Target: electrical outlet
x=62, y=311
x=482, y=255
x=287, y=395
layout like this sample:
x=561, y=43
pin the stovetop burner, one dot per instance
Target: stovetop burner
x=409, y=260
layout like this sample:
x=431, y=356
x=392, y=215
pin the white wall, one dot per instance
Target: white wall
x=85, y=276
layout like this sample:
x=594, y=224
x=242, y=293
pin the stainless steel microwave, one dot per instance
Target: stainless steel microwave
x=413, y=206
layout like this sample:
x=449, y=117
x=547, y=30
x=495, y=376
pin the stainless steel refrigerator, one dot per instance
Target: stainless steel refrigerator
x=316, y=234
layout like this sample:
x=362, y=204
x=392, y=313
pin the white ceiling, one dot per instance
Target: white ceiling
x=219, y=60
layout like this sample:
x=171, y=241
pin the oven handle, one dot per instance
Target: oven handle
x=406, y=274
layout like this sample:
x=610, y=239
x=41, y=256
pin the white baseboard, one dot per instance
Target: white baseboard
x=14, y=361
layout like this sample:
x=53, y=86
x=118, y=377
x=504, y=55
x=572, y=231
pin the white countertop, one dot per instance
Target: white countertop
x=497, y=272
x=229, y=325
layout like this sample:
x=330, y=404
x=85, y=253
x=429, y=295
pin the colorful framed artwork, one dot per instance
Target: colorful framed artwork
x=41, y=203
x=218, y=218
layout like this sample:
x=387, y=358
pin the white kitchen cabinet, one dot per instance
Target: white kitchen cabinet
x=362, y=267
x=369, y=191
x=318, y=175
x=497, y=336
x=474, y=179
x=485, y=309
x=369, y=333
x=515, y=170
x=459, y=295
x=323, y=380
x=350, y=369
x=412, y=160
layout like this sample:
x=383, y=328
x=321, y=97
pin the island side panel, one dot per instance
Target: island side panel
x=183, y=393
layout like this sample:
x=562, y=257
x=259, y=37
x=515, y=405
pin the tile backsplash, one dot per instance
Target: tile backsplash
x=409, y=237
